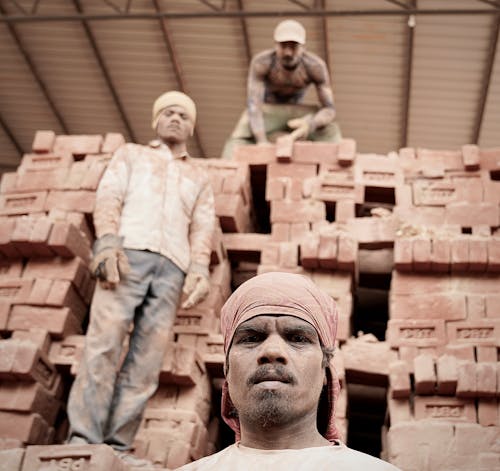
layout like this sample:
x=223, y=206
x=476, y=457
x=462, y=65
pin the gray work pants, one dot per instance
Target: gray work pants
x=107, y=402
x=276, y=117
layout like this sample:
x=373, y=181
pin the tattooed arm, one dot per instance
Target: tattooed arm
x=320, y=77
x=259, y=67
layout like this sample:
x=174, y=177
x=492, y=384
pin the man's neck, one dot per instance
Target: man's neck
x=294, y=436
x=177, y=148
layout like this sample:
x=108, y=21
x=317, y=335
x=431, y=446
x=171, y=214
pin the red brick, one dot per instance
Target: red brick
x=245, y=247
x=72, y=269
x=404, y=196
x=398, y=411
x=189, y=322
x=11, y=459
x=373, y=232
x=460, y=352
x=288, y=255
x=80, y=222
x=63, y=294
x=43, y=141
x=377, y=171
x=39, y=337
x=447, y=375
x=444, y=408
x=75, y=176
x=403, y=254
x=255, y=155
x=10, y=268
x=213, y=355
x=346, y=152
x=27, y=428
x=298, y=231
x=469, y=214
x=39, y=162
x=182, y=365
x=347, y=252
x=23, y=360
x=493, y=256
x=425, y=375
x=486, y=354
x=467, y=380
x=39, y=236
x=470, y=190
x=447, y=306
x=297, y=211
x=8, y=182
x=67, y=241
x=446, y=159
x=309, y=251
x=475, y=332
x=275, y=189
x=80, y=200
x=434, y=193
x=493, y=305
x=294, y=189
x=315, y=152
x=22, y=203
x=478, y=254
x=29, y=397
x=59, y=321
x=293, y=171
x=39, y=180
x=367, y=361
x=328, y=250
x=486, y=379
x=420, y=215
x=335, y=284
x=73, y=457
x=419, y=333
x=459, y=254
x=78, y=144
x=336, y=187
x=470, y=156
x=65, y=354
x=441, y=254
x=344, y=209
x=280, y=232
x=421, y=254
x=15, y=291
x=399, y=380
x=476, y=307
x=487, y=414
x=112, y=141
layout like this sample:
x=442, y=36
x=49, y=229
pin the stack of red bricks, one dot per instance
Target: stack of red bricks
x=445, y=312
x=45, y=284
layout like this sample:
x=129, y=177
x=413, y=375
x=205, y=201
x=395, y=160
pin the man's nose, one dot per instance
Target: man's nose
x=272, y=350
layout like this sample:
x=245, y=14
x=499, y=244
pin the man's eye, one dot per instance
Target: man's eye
x=251, y=338
x=299, y=338
x=184, y=117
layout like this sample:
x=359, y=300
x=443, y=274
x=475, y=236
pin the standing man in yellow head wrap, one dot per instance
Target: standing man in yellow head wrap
x=154, y=219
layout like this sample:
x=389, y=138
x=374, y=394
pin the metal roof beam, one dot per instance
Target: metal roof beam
x=486, y=79
x=300, y=4
x=326, y=39
x=105, y=72
x=11, y=136
x=245, y=14
x=398, y=3
x=408, y=71
x=169, y=44
x=35, y=74
x=244, y=29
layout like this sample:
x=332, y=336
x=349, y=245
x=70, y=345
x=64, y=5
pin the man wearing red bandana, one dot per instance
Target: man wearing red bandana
x=280, y=391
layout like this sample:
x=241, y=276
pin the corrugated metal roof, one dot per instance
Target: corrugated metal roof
x=368, y=57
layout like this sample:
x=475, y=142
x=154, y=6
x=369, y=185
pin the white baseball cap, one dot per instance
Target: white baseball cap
x=290, y=30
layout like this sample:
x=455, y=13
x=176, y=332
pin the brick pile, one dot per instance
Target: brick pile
x=419, y=225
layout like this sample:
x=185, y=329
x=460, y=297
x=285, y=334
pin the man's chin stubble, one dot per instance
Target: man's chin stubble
x=271, y=410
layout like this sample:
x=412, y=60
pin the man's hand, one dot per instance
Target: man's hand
x=109, y=261
x=301, y=126
x=196, y=287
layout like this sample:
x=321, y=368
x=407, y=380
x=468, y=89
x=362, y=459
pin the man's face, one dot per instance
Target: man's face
x=174, y=125
x=275, y=371
x=289, y=53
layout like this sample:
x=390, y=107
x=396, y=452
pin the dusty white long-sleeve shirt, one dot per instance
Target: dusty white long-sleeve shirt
x=158, y=203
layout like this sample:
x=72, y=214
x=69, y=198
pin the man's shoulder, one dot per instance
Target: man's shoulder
x=208, y=463
x=263, y=58
x=359, y=458
x=315, y=65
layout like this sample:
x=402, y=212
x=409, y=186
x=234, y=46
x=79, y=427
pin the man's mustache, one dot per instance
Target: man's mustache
x=271, y=373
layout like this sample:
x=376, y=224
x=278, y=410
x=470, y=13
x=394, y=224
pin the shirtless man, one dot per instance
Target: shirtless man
x=277, y=81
